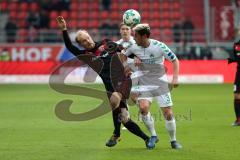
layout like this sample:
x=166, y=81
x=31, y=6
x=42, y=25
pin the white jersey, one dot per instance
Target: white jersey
x=152, y=68
x=155, y=53
x=130, y=61
x=126, y=44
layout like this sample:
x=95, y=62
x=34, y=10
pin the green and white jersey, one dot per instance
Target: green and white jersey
x=126, y=44
x=155, y=53
x=152, y=74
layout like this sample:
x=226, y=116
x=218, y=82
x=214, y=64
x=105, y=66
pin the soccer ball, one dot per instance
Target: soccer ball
x=131, y=17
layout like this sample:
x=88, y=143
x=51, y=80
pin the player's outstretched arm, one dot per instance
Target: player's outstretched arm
x=68, y=43
x=175, y=64
x=123, y=59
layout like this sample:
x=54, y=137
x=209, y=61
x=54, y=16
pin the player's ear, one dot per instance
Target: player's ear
x=76, y=39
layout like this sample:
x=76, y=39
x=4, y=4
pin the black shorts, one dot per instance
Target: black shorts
x=123, y=87
x=237, y=82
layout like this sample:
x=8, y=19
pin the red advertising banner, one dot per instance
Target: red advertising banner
x=30, y=53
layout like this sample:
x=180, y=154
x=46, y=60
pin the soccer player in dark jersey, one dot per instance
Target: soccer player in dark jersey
x=109, y=67
x=236, y=58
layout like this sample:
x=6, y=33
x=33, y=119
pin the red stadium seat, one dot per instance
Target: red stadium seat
x=24, y=6
x=93, y=24
x=94, y=15
x=165, y=15
x=115, y=15
x=155, y=15
x=22, y=34
x=53, y=24
x=166, y=23
x=125, y=6
x=104, y=14
x=83, y=6
x=34, y=6
x=22, y=15
x=64, y=14
x=83, y=24
x=83, y=15
x=165, y=5
x=13, y=14
x=176, y=15
x=176, y=5
x=156, y=32
x=115, y=7
x=156, y=6
x=13, y=6
x=145, y=6
x=54, y=14
x=74, y=14
x=135, y=6
x=22, y=24
x=95, y=6
x=74, y=6
x=73, y=24
x=3, y=6
x=155, y=23
x=145, y=15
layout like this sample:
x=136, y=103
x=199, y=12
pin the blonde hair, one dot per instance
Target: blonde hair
x=80, y=32
x=141, y=26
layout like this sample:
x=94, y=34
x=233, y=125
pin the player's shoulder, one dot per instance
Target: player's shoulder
x=119, y=41
x=155, y=42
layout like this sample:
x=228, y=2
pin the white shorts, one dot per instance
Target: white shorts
x=164, y=100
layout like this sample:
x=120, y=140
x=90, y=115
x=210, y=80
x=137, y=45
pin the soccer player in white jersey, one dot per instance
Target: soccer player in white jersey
x=127, y=41
x=150, y=55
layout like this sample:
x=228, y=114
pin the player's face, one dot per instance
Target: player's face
x=125, y=31
x=85, y=40
x=138, y=38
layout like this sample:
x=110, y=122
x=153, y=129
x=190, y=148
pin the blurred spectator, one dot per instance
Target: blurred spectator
x=206, y=53
x=33, y=35
x=33, y=19
x=11, y=30
x=45, y=5
x=106, y=4
x=177, y=32
x=237, y=3
x=188, y=28
x=44, y=19
x=105, y=28
x=60, y=5
x=237, y=35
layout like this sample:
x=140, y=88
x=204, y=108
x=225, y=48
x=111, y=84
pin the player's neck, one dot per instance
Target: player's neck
x=146, y=43
x=126, y=39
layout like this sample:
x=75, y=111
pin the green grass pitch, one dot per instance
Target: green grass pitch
x=29, y=129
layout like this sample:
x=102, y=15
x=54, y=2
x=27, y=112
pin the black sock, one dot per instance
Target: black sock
x=135, y=129
x=237, y=108
x=116, y=121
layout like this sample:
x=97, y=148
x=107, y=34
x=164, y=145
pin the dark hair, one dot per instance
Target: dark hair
x=144, y=31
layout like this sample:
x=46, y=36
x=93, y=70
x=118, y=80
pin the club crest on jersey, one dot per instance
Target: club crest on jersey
x=101, y=48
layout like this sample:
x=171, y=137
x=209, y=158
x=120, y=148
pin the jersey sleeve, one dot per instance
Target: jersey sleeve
x=128, y=52
x=167, y=53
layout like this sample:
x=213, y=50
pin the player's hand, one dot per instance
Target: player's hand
x=61, y=23
x=174, y=83
x=137, y=61
x=127, y=71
